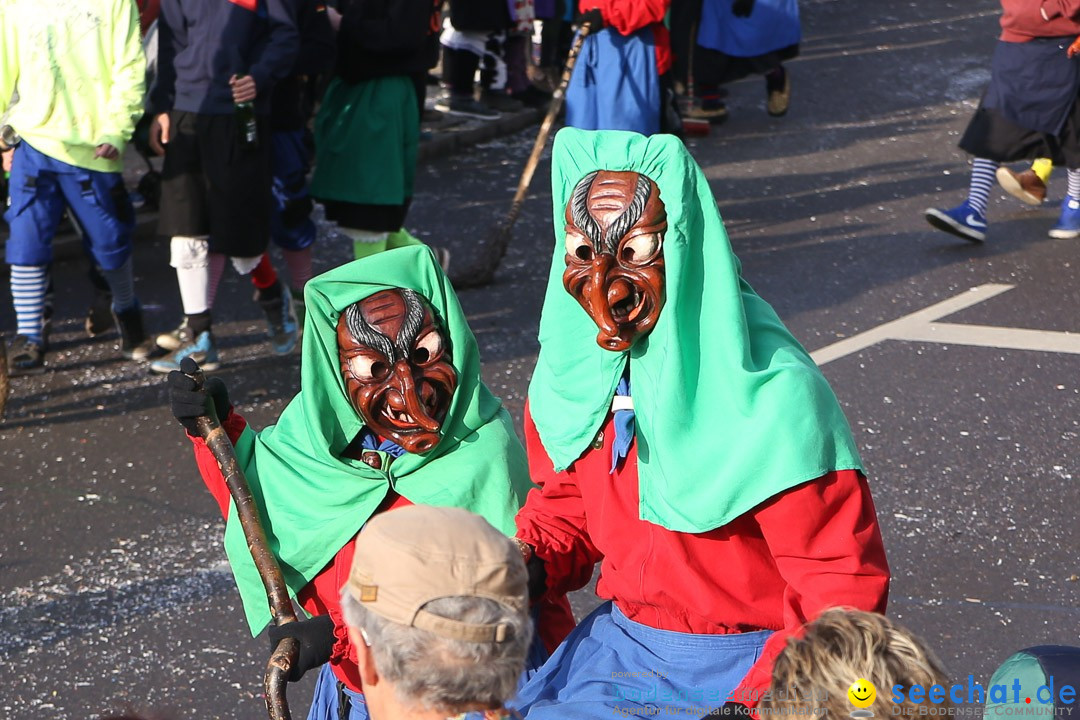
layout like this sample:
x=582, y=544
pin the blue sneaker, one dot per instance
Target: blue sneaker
x=963, y=221
x=201, y=350
x=281, y=323
x=1068, y=224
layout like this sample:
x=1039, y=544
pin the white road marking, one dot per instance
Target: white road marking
x=920, y=327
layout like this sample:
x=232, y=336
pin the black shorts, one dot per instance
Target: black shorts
x=213, y=185
x=992, y=136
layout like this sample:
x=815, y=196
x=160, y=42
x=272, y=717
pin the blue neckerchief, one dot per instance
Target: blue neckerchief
x=624, y=426
x=370, y=441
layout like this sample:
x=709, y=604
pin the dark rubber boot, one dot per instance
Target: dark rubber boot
x=134, y=344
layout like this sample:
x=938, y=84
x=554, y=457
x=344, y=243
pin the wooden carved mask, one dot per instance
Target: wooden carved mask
x=395, y=359
x=615, y=224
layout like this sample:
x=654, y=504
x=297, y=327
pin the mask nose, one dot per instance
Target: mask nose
x=597, y=294
x=411, y=400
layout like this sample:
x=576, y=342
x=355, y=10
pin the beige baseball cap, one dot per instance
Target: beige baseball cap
x=406, y=558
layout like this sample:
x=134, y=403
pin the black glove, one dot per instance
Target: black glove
x=316, y=638
x=189, y=403
x=537, y=577
x=742, y=8
x=593, y=18
x=732, y=710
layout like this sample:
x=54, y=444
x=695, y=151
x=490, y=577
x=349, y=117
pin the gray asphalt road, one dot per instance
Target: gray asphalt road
x=113, y=588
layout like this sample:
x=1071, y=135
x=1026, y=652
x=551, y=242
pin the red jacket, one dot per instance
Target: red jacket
x=629, y=16
x=322, y=596
x=777, y=566
x=1022, y=20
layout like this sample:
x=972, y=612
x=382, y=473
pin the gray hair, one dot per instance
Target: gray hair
x=440, y=674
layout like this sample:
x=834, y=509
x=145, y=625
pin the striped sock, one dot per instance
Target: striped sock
x=982, y=179
x=217, y=269
x=28, y=283
x=122, y=285
x=1074, y=185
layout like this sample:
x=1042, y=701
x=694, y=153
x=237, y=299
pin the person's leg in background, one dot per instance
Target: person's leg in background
x=277, y=304
x=968, y=219
x=291, y=226
x=518, y=83
x=184, y=217
x=777, y=91
x=683, y=18
x=99, y=313
x=100, y=202
x=1068, y=224
x=190, y=257
x=36, y=207
x=461, y=59
x=495, y=76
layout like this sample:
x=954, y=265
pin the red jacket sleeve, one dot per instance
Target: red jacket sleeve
x=233, y=425
x=553, y=521
x=628, y=16
x=1061, y=8
x=825, y=540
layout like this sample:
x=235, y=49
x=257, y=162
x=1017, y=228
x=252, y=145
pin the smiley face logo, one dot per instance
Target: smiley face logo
x=862, y=693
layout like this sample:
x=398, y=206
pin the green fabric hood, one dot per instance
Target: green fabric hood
x=312, y=500
x=730, y=409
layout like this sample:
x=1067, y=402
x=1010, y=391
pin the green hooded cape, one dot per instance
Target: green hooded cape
x=312, y=500
x=730, y=409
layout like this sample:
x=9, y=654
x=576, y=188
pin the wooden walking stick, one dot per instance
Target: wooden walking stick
x=498, y=238
x=284, y=655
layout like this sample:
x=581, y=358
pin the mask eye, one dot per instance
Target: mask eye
x=640, y=249
x=428, y=348
x=367, y=368
x=578, y=248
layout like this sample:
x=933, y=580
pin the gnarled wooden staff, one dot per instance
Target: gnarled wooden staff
x=284, y=655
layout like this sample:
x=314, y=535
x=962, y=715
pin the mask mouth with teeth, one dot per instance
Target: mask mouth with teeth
x=615, y=224
x=395, y=359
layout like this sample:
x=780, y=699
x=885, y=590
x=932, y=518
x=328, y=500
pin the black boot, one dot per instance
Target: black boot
x=98, y=314
x=134, y=344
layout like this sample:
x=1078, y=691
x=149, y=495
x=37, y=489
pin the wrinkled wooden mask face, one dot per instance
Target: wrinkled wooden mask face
x=615, y=224
x=395, y=359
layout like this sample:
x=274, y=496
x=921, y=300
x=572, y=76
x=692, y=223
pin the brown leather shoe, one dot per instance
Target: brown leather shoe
x=1027, y=187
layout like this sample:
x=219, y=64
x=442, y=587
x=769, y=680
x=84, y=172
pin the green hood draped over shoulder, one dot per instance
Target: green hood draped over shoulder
x=730, y=409
x=313, y=500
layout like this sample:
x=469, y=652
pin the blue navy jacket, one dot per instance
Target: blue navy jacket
x=202, y=43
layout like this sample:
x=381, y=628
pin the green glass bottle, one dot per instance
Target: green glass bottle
x=245, y=121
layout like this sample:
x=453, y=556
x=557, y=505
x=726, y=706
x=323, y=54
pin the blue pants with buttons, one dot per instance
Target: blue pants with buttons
x=41, y=186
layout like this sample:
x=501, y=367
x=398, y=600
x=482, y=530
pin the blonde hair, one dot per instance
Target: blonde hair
x=812, y=674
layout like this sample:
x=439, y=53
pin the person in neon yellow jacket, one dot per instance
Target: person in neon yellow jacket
x=78, y=68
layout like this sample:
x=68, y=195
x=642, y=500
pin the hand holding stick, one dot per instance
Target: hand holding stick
x=277, y=593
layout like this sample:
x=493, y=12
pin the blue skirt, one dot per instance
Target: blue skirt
x=611, y=665
x=773, y=25
x=614, y=85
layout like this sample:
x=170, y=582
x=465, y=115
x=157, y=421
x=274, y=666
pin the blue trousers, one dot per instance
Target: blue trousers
x=291, y=226
x=40, y=188
x=610, y=665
